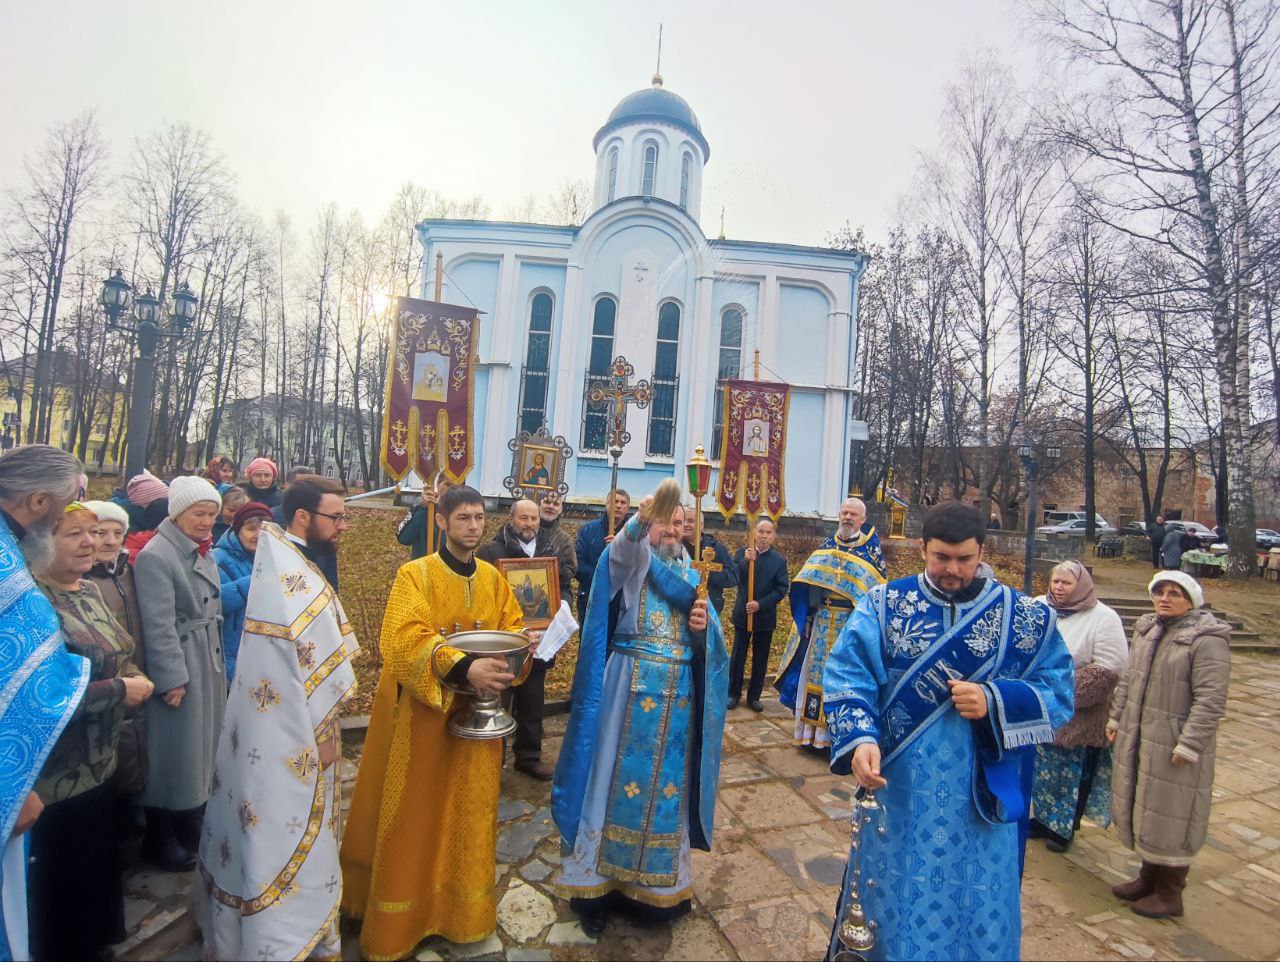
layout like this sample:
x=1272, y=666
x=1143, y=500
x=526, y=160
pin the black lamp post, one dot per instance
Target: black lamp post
x=117, y=299
x=1027, y=455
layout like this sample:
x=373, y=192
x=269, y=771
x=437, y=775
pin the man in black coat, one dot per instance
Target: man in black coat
x=771, y=586
x=727, y=577
x=1156, y=533
x=524, y=537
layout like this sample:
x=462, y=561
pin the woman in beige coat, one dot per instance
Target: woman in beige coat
x=1164, y=722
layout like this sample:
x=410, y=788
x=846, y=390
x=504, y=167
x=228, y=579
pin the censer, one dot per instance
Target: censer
x=856, y=934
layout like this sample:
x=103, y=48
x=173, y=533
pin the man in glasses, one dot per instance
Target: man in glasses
x=314, y=516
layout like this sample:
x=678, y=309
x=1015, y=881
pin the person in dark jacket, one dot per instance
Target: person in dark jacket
x=550, y=509
x=145, y=529
x=1176, y=541
x=413, y=527
x=592, y=537
x=1155, y=532
x=524, y=537
x=771, y=586
x=262, y=485
x=720, y=580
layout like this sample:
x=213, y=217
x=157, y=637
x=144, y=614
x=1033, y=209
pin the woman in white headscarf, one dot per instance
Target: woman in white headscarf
x=1073, y=775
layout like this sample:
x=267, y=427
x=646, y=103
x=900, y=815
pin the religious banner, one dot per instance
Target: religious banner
x=430, y=390
x=753, y=449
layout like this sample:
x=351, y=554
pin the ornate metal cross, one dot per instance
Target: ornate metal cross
x=616, y=390
x=705, y=567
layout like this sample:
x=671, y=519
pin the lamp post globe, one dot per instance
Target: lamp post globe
x=147, y=308
x=117, y=296
x=185, y=305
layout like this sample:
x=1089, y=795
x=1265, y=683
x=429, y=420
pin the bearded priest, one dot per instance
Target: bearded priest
x=635, y=788
x=421, y=844
x=823, y=595
x=269, y=850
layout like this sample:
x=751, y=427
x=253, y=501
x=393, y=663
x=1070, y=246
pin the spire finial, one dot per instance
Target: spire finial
x=657, y=74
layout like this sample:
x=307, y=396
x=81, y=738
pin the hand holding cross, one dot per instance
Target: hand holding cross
x=705, y=567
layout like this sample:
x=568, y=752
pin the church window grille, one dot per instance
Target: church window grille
x=650, y=168
x=685, y=163
x=594, y=420
x=666, y=383
x=613, y=173
x=730, y=367
x=535, y=376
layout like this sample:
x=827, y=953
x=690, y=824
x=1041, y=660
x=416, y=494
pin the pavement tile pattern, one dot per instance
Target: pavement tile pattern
x=768, y=889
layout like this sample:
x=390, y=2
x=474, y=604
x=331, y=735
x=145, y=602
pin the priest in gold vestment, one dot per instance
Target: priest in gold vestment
x=420, y=847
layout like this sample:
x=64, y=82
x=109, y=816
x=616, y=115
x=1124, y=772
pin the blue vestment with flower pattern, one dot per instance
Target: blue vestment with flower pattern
x=947, y=870
x=41, y=684
x=635, y=786
x=823, y=594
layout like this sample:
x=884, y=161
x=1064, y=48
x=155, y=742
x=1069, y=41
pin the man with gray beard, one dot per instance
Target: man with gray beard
x=41, y=681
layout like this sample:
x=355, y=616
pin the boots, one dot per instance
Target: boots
x=1140, y=887
x=161, y=848
x=1166, y=900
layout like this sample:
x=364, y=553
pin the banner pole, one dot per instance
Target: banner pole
x=751, y=528
x=440, y=276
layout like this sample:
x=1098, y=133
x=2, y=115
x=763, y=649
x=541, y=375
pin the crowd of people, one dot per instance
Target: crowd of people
x=175, y=660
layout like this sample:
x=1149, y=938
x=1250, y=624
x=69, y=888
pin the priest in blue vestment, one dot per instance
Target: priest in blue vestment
x=41, y=682
x=937, y=691
x=635, y=787
x=823, y=595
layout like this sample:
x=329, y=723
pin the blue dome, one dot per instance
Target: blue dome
x=656, y=105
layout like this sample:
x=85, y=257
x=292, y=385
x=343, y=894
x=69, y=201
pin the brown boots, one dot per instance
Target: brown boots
x=1157, y=891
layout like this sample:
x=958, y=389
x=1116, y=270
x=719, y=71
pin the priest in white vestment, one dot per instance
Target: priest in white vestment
x=269, y=852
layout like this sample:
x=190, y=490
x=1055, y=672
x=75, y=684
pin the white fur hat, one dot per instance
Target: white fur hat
x=188, y=490
x=1183, y=581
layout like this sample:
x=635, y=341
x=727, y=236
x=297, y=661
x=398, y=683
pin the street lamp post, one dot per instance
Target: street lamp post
x=117, y=301
x=1027, y=455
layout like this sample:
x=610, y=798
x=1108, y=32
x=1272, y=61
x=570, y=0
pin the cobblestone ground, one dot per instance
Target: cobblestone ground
x=769, y=888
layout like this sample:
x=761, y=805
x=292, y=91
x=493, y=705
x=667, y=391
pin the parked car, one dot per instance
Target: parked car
x=1075, y=528
x=1135, y=529
x=1267, y=539
x=1059, y=517
x=1205, y=538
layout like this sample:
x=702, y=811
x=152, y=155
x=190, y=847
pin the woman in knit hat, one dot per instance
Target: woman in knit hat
x=263, y=483
x=234, y=554
x=232, y=499
x=178, y=594
x=1164, y=723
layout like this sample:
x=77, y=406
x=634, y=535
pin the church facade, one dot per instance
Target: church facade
x=640, y=278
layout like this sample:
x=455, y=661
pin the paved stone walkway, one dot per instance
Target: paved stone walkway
x=769, y=888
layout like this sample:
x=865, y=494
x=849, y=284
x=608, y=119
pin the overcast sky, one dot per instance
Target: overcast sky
x=814, y=111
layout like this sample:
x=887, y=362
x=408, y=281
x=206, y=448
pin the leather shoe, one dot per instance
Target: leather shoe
x=539, y=770
x=733, y=703
x=594, y=922
x=169, y=856
x=755, y=705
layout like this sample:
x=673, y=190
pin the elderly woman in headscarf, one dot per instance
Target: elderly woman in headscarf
x=220, y=472
x=1073, y=775
x=1164, y=722
x=76, y=898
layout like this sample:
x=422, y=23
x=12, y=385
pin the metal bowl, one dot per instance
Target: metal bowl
x=485, y=716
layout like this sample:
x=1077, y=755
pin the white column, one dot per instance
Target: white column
x=698, y=372
x=500, y=426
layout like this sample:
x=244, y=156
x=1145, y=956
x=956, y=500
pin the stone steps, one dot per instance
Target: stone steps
x=1244, y=636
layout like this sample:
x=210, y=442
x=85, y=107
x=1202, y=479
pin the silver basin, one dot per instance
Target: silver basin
x=485, y=717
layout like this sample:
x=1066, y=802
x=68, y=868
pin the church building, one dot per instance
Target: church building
x=640, y=278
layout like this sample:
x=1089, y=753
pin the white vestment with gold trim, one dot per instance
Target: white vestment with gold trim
x=269, y=851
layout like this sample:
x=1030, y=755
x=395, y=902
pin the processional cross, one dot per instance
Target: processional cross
x=616, y=390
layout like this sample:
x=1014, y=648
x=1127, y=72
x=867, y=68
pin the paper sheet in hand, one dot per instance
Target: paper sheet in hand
x=557, y=633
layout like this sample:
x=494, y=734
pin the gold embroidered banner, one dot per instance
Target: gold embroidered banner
x=427, y=426
x=753, y=449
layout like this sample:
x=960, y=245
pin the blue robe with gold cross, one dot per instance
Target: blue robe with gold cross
x=635, y=785
x=823, y=595
x=943, y=880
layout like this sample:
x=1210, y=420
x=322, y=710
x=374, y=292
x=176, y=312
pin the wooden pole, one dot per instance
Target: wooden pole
x=432, y=536
x=751, y=526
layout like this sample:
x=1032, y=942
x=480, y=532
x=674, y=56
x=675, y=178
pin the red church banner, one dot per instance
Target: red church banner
x=753, y=449
x=430, y=390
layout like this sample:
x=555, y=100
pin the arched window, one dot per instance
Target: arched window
x=666, y=383
x=594, y=421
x=730, y=367
x=613, y=173
x=650, y=168
x=685, y=162
x=536, y=374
